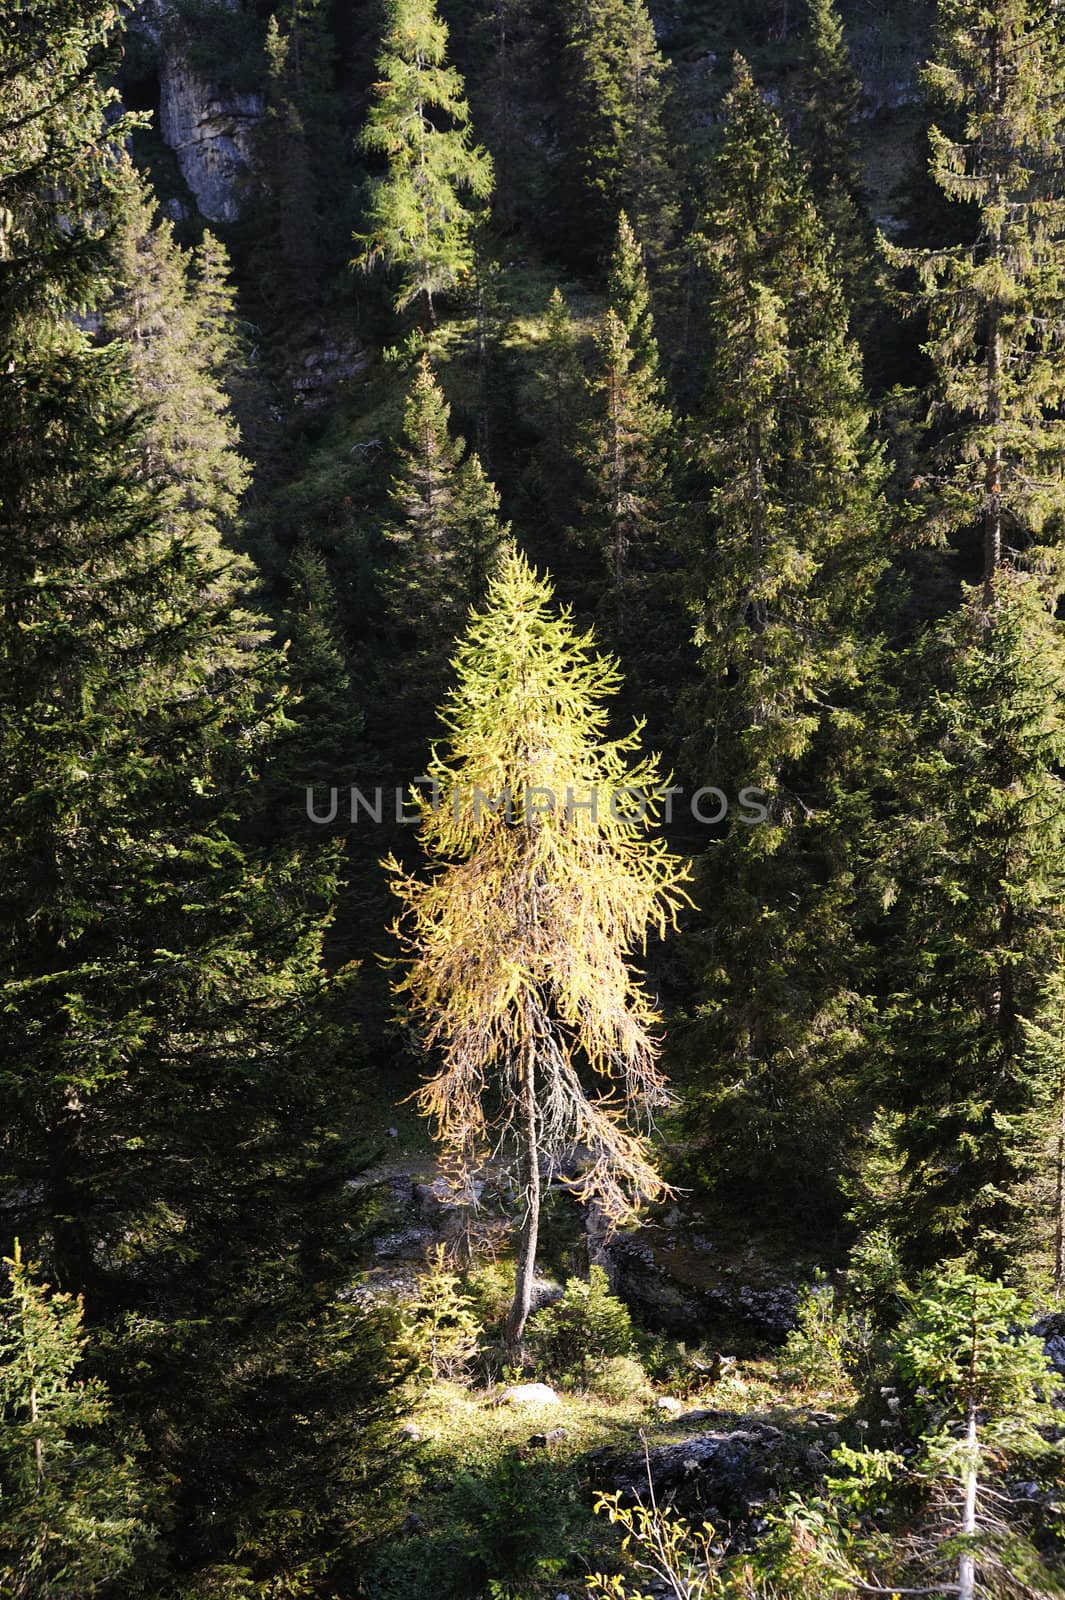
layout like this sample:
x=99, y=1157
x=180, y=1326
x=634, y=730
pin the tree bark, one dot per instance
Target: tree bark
x=967, y=1561
x=993, y=479
x=523, y=1283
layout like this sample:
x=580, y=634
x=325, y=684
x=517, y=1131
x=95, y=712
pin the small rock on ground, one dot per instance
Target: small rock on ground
x=528, y=1394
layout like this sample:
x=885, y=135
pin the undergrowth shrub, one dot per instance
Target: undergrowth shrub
x=587, y=1326
x=490, y=1288
x=824, y=1350
x=442, y=1326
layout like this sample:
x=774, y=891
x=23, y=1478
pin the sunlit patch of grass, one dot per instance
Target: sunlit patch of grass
x=489, y=1511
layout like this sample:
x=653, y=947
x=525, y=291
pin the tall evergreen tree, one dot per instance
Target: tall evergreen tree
x=829, y=96
x=326, y=741
x=616, y=154
x=996, y=305
x=625, y=445
x=781, y=584
x=553, y=479
x=173, y=310
x=543, y=880
x=165, y=1117
x=990, y=864
x=981, y=866
x=417, y=219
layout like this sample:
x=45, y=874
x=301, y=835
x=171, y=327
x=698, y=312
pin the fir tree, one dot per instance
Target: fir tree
x=829, y=96
x=613, y=134
x=625, y=444
x=174, y=311
x=443, y=530
x=981, y=860
x=553, y=480
x=990, y=861
x=543, y=879
x=560, y=374
x=168, y=1033
x=416, y=218
x=996, y=305
x=74, y=1509
x=326, y=740
x=793, y=476
x=781, y=583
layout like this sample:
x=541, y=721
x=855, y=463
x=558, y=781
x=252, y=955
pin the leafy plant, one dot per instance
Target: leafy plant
x=660, y=1545
x=822, y=1351
x=583, y=1329
x=442, y=1324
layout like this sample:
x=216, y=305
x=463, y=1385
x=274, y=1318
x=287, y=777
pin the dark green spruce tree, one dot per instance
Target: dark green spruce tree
x=996, y=305
x=171, y=1144
x=553, y=480
x=443, y=531
x=325, y=746
x=437, y=549
x=829, y=101
x=612, y=134
x=982, y=835
x=625, y=448
x=173, y=310
x=781, y=579
x=980, y=869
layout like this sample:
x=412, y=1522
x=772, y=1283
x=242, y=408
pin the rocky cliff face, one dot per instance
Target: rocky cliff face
x=209, y=132
x=209, y=128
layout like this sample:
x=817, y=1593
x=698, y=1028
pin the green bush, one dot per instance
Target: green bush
x=823, y=1350
x=490, y=1287
x=670, y=1364
x=441, y=1324
x=586, y=1326
x=617, y=1378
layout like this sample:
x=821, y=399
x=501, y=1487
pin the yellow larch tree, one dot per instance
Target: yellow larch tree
x=544, y=878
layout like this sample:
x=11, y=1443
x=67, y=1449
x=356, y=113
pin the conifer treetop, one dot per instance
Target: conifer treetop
x=417, y=219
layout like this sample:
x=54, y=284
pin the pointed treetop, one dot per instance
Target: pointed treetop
x=418, y=220
x=629, y=295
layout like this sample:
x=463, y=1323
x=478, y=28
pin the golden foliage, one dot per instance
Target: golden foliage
x=544, y=880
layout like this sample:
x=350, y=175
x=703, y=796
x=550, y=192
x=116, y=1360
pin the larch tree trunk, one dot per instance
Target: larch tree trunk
x=526, y=1269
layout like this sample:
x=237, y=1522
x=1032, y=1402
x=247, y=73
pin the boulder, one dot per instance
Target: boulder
x=726, y=1475
x=684, y=1288
x=528, y=1394
x=1051, y=1330
x=668, y=1405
